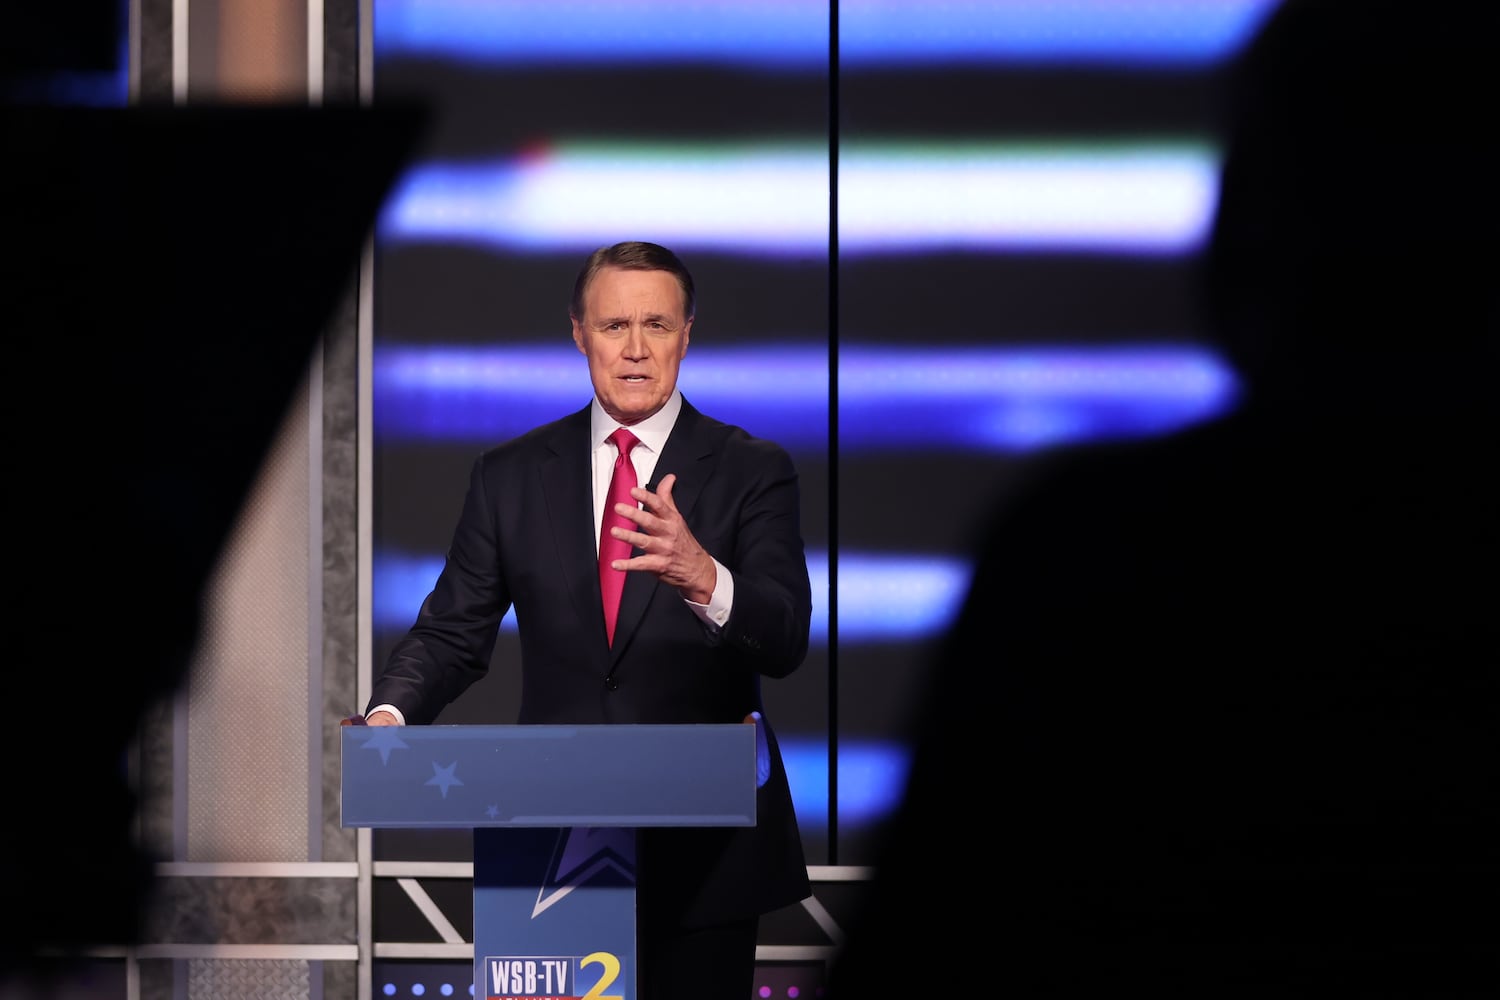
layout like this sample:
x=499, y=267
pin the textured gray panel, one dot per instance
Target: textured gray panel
x=248, y=688
x=157, y=979
x=340, y=51
x=340, y=512
x=340, y=979
x=73, y=978
x=247, y=979
x=153, y=778
x=250, y=910
x=156, y=51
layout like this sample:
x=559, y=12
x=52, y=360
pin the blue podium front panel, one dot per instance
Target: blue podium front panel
x=554, y=914
x=469, y=777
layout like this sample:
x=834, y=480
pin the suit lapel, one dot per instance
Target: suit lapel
x=567, y=485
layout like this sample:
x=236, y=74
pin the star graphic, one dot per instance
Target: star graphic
x=443, y=777
x=492, y=812
x=385, y=739
x=581, y=854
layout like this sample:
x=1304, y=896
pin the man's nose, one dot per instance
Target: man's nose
x=635, y=341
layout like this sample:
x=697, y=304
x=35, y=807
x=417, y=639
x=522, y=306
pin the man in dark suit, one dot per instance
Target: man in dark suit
x=716, y=595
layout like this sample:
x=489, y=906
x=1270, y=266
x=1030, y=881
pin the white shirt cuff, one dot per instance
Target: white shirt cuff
x=716, y=612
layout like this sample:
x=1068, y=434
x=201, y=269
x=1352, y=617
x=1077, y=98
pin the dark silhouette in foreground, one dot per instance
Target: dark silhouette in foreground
x=177, y=268
x=1218, y=717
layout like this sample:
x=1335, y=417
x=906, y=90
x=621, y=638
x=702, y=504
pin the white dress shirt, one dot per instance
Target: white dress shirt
x=652, y=434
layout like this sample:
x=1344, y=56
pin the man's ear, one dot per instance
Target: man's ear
x=578, y=334
x=687, y=330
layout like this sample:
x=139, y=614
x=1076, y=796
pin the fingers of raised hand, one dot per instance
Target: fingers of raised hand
x=636, y=538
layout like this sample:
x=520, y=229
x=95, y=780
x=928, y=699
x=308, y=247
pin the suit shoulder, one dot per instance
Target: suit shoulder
x=731, y=436
x=743, y=446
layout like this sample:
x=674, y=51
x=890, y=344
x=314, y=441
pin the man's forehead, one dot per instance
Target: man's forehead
x=613, y=288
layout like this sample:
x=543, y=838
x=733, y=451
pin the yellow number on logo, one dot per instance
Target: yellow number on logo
x=606, y=978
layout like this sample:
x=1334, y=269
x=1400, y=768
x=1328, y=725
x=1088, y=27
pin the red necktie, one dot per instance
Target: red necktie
x=612, y=581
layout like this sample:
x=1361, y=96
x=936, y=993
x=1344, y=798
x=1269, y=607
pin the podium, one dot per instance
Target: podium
x=553, y=810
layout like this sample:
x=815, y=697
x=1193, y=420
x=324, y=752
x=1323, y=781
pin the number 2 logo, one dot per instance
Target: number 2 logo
x=606, y=978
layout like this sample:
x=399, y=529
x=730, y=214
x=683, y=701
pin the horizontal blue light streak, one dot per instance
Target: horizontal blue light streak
x=98, y=88
x=881, y=597
x=76, y=89
x=1121, y=32
x=893, y=399
x=888, y=597
x=872, y=779
x=1135, y=198
x=1018, y=400
x=793, y=34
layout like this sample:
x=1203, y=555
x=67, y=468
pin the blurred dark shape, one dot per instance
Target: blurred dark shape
x=1218, y=717
x=79, y=36
x=171, y=271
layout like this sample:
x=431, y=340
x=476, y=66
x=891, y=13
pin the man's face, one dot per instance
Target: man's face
x=634, y=334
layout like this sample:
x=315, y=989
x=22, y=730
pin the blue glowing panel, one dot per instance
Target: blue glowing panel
x=889, y=597
x=583, y=196
x=1156, y=198
x=792, y=34
x=1020, y=400
x=901, y=33
x=872, y=777
x=71, y=86
x=957, y=399
x=771, y=33
x=1127, y=198
x=941, y=174
x=885, y=597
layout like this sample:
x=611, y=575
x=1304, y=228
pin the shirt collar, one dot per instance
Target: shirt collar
x=652, y=432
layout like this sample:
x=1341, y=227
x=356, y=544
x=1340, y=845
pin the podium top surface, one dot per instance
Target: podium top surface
x=445, y=777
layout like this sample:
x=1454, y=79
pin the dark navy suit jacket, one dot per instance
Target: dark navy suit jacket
x=525, y=539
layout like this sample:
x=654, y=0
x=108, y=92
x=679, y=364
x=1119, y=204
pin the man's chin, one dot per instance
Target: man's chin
x=633, y=407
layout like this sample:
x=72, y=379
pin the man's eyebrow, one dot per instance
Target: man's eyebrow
x=647, y=318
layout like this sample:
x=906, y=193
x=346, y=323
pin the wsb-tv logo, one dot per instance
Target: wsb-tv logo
x=552, y=977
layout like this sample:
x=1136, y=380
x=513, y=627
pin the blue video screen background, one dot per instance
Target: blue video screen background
x=932, y=241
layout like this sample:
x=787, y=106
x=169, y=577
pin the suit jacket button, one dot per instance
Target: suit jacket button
x=611, y=683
